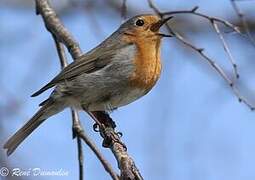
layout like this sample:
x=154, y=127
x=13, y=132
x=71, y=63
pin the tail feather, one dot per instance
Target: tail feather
x=44, y=88
x=43, y=113
x=21, y=135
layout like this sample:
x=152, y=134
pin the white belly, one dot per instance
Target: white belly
x=118, y=100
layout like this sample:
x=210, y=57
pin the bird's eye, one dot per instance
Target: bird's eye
x=139, y=22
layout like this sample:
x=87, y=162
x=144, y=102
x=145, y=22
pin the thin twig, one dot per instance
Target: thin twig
x=81, y=157
x=75, y=117
x=213, y=21
x=55, y=26
x=215, y=66
x=112, y=140
x=126, y=164
x=243, y=21
x=61, y=52
x=93, y=147
x=61, y=34
x=77, y=125
x=193, y=11
x=226, y=48
x=124, y=10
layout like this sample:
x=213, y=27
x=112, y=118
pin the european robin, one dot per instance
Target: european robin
x=121, y=69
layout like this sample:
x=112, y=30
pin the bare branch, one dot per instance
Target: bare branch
x=55, y=26
x=93, y=147
x=226, y=48
x=75, y=116
x=61, y=52
x=112, y=140
x=124, y=10
x=214, y=65
x=61, y=35
x=77, y=126
x=213, y=21
x=80, y=157
x=243, y=21
x=193, y=11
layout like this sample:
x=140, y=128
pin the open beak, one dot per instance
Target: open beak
x=156, y=26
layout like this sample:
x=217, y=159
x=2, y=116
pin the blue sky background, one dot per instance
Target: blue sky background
x=189, y=127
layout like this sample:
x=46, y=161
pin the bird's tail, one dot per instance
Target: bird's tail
x=48, y=109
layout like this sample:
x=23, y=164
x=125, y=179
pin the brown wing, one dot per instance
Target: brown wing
x=81, y=65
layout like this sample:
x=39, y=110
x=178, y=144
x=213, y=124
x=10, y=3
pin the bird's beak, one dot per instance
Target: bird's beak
x=156, y=26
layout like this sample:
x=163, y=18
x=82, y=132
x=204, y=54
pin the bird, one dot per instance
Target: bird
x=120, y=70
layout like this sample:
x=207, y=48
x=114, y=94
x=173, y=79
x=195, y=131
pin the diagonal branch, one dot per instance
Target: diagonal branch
x=226, y=48
x=213, y=21
x=243, y=21
x=124, y=10
x=76, y=126
x=193, y=11
x=93, y=147
x=200, y=51
x=75, y=117
x=55, y=26
x=61, y=34
x=112, y=140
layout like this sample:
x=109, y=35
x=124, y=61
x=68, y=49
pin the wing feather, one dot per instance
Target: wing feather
x=74, y=69
x=87, y=63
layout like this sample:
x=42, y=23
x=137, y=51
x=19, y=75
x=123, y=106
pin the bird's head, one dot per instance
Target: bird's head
x=144, y=27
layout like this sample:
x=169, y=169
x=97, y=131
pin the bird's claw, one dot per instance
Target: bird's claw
x=96, y=127
x=111, y=137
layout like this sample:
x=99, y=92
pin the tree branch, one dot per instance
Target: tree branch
x=60, y=33
x=226, y=48
x=125, y=162
x=124, y=10
x=55, y=26
x=93, y=147
x=75, y=117
x=200, y=51
x=112, y=140
x=243, y=21
x=213, y=21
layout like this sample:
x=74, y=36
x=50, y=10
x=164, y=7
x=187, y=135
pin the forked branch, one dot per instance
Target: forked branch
x=243, y=21
x=63, y=37
x=200, y=51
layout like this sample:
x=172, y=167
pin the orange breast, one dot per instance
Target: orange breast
x=147, y=64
